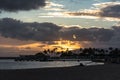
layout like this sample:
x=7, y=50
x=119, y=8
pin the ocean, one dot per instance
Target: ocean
x=11, y=64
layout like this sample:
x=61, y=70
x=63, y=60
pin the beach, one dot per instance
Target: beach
x=99, y=72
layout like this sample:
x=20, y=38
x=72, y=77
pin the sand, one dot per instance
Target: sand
x=101, y=72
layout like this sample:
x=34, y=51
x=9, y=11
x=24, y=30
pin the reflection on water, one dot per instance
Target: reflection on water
x=11, y=64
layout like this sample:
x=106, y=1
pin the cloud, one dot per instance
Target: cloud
x=108, y=10
x=16, y=5
x=28, y=31
x=51, y=6
x=12, y=28
x=18, y=37
x=90, y=34
x=111, y=11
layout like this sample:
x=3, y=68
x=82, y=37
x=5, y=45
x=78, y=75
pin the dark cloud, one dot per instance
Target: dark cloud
x=50, y=32
x=112, y=11
x=16, y=5
x=28, y=31
x=91, y=34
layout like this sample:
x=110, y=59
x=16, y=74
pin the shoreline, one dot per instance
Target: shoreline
x=97, y=72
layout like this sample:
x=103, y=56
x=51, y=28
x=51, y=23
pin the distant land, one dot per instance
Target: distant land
x=111, y=55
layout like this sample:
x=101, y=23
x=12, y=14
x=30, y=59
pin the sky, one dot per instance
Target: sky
x=29, y=26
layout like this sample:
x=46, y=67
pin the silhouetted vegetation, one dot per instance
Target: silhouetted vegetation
x=37, y=57
x=94, y=54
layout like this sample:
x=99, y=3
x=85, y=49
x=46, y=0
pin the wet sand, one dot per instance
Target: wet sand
x=101, y=72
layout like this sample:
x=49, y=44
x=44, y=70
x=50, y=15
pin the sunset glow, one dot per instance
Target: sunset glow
x=62, y=45
x=58, y=25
